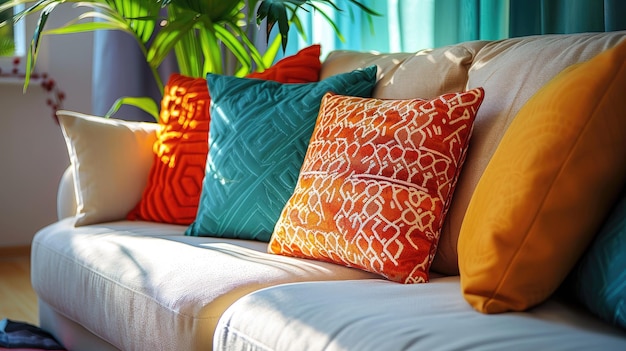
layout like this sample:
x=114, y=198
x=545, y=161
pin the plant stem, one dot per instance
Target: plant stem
x=155, y=72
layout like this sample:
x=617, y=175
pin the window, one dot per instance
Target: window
x=12, y=38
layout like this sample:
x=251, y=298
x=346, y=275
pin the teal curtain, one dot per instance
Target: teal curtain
x=411, y=25
x=566, y=16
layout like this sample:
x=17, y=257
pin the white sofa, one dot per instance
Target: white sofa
x=146, y=286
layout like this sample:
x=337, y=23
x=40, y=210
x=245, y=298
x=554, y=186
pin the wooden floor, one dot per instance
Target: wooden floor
x=17, y=299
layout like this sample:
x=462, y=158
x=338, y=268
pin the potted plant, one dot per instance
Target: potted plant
x=199, y=32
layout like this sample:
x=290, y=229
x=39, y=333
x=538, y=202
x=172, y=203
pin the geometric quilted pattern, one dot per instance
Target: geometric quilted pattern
x=259, y=134
x=600, y=277
x=376, y=183
x=175, y=182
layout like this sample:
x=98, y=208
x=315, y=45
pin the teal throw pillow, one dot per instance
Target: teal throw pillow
x=258, y=136
x=600, y=276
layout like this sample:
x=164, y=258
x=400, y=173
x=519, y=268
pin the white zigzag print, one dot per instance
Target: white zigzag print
x=376, y=183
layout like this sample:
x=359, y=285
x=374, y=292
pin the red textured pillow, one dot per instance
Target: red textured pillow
x=174, y=185
x=376, y=183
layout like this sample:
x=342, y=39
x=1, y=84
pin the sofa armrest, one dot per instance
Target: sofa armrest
x=66, y=195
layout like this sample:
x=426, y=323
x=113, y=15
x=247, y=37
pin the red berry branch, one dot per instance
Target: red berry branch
x=55, y=95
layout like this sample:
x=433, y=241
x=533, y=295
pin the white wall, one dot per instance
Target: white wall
x=33, y=155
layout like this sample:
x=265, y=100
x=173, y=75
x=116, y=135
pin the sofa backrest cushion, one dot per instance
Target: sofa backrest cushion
x=425, y=74
x=510, y=71
x=547, y=189
x=66, y=195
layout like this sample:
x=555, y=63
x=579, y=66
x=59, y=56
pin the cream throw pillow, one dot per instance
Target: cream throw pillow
x=110, y=159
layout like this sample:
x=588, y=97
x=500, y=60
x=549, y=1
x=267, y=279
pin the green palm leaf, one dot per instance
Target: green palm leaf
x=144, y=103
x=6, y=47
x=106, y=22
x=141, y=15
x=211, y=51
x=169, y=36
x=242, y=48
x=188, y=51
x=216, y=10
x=277, y=12
x=34, y=44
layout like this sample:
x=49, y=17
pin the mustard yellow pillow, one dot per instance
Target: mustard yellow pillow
x=548, y=187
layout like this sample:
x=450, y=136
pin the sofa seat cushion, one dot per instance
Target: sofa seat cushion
x=146, y=286
x=381, y=315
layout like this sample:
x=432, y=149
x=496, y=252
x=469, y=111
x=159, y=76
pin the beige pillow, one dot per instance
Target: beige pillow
x=425, y=74
x=111, y=160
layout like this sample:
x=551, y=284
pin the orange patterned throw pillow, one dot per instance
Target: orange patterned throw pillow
x=180, y=151
x=376, y=183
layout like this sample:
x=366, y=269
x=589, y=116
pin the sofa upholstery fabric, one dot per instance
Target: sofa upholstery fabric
x=126, y=280
x=430, y=316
